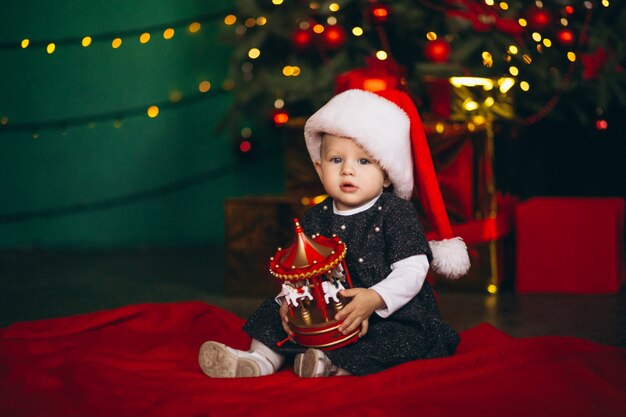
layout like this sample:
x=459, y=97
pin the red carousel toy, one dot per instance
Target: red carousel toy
x=313, y=271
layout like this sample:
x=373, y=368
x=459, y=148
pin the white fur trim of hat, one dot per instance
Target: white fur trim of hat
x=375, y=123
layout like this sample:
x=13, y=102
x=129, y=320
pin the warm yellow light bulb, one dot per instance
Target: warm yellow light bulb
x=357, y=31
x=492, y=289
x=287, y=70
x=296, y=71
x=86, y=41
x=25, y=43
x=513, y=49
x=514, y=71
x=381, y=55
x=431, y=36
x=230, y=19
x=522, y=22
x=333, y=7
x=439, y=127
x=479, y=120
x=536, y=36
x=277, y=2
x=261, y=20
x=318, y=28
x=153, y=111
x=204, y=86
x=524, y=86
x=571, y=56
x=254, y=53
x=51, y=48
x=117, y=42
x=504, y=6
x=168, y=33
x=470, y=105
x=194, y=27
x=144, y=38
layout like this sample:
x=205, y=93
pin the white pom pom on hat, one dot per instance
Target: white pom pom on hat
x=387, y=125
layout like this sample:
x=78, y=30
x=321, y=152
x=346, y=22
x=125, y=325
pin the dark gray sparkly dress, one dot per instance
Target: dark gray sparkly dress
x=376, y=238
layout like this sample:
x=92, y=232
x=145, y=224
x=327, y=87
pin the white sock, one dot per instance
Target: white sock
x=275, y=359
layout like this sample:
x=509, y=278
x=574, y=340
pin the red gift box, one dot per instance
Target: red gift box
x=570, y=245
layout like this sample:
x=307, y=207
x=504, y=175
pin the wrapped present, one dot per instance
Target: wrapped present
x=253, y=226
x=463, y=157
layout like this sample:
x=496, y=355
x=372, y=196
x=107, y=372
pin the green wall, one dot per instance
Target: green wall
x=64, y=172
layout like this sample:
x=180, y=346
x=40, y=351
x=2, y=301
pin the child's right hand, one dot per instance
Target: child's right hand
x=284, y=318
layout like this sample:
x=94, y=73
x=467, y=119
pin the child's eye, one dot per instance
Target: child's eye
x=335, y=160
x=364, y=161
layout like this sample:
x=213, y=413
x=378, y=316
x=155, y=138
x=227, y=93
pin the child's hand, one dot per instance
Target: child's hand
x=284, y=318
x=357, y=312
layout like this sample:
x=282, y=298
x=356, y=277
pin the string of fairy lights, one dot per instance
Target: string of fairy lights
x=117, y=117
x=143, y=35
x=116, y=38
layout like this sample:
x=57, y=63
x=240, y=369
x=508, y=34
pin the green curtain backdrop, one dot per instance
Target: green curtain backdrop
x=108, y=175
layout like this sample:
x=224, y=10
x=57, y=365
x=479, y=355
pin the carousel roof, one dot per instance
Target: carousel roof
x=307, y=256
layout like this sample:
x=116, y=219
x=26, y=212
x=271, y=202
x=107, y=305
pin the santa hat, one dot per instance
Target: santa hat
x=387, y=125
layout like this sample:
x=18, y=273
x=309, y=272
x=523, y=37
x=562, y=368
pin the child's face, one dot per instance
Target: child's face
x=349, y=174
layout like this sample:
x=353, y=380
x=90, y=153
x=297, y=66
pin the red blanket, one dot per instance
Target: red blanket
x=142, y=361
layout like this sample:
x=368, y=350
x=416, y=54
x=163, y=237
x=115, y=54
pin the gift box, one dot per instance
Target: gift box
x=254, y=227
x=463, y=159
x=570, y=245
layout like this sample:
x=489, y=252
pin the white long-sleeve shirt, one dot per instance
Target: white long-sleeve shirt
x=406, y=278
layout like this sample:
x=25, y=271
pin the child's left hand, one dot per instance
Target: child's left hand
x=357, y=312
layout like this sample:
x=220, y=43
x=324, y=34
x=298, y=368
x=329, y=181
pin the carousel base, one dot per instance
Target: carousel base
x=324, y=336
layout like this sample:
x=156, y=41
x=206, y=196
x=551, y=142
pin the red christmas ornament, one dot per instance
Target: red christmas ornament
x=538, y=19
x=593, y=63
x=302, y=38
x=566, y=37
x=380, y=12
x=437, y=50
x=334, y=37
x=376, y=76
x=280, y=117
x=245, y=146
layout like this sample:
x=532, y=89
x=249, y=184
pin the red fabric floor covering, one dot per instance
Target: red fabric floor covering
x=141, y=360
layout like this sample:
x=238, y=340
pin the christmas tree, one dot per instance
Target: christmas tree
x=565, y=56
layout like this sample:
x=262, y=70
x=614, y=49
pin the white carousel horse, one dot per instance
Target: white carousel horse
x=292, y=295
x=331, y=289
